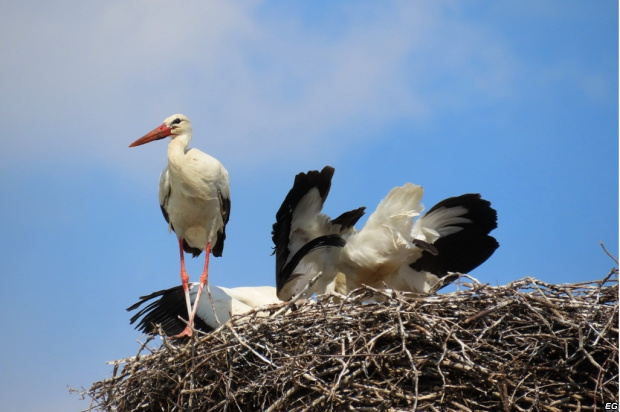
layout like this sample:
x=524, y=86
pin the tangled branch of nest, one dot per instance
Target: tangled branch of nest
x=528, y=345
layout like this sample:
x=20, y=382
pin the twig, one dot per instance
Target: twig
x=245, y=345
x=295, y=298
x=525, y=346
x=608, y=254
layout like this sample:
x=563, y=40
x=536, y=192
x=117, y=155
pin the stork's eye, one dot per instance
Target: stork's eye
x=175, y=121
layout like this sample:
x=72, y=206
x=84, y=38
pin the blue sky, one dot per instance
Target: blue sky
x=516, y=100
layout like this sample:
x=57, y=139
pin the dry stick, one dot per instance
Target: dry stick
x=486, y=342
x=440, y=361
x=353, y=374
x=276, y=406
x=610, y=322
x=344, y=301
x=90, y=407
x=461, y=407
x=487, y=311
x=192, y=381
x=404, y=348
x=612, y=272
x=585, y=352
x=608, y=254
x=132, y=358
x=129, y=379
x=298, y=296
x=600, y=372
x=212, y=304
x=516, y=388
x=542, y=294
x=463, y=350
x=345, y=369
x=280, y=402
x=248, y=347
x=315, y=403
x=524, y=298
x=230, y=377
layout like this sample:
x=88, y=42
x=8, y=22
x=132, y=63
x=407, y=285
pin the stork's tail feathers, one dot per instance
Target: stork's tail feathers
x=398, y=208
x=463, y=224
x=165, y=311
x=348, y=219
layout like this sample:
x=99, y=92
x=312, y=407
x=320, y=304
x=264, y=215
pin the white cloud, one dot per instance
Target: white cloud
x=86, y=81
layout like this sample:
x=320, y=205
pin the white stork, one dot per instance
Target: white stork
x=302, y=230
x=390, y=249
x=170, y=305
x=194, y=196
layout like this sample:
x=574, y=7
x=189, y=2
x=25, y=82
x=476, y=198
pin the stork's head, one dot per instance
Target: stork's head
x=173, y=126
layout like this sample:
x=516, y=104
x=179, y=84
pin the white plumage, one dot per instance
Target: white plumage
x=307, y=242
x=194, y=196
x=384, y=243
x=391, y=249
x=166, y=306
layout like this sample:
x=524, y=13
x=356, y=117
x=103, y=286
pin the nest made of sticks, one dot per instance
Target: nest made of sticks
x=528, y=345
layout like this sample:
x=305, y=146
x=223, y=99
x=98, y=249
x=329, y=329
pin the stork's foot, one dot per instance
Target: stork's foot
x=187, y=333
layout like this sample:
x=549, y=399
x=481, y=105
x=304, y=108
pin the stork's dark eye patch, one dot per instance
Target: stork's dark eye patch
x=175, y=121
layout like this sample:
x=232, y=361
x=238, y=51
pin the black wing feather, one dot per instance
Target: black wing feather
x=218, y=248
x=349, y=219
x=165, y=311
x=468, y=248
x=281, y=231
x=284, y=276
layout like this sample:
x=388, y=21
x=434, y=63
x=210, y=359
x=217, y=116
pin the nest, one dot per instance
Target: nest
x=526, y=346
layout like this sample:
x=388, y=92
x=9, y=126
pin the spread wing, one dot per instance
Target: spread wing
x=301, y=229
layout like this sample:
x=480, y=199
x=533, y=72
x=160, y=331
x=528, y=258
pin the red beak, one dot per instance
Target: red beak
x=155, y=134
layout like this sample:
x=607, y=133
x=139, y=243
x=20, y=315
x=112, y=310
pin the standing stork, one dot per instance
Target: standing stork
x=194, y=196
x=391, y=248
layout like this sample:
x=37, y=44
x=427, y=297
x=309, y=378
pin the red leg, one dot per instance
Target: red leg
x=185, y=280
x=204, y=279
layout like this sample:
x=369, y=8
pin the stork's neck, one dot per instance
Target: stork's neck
x=178, y=147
